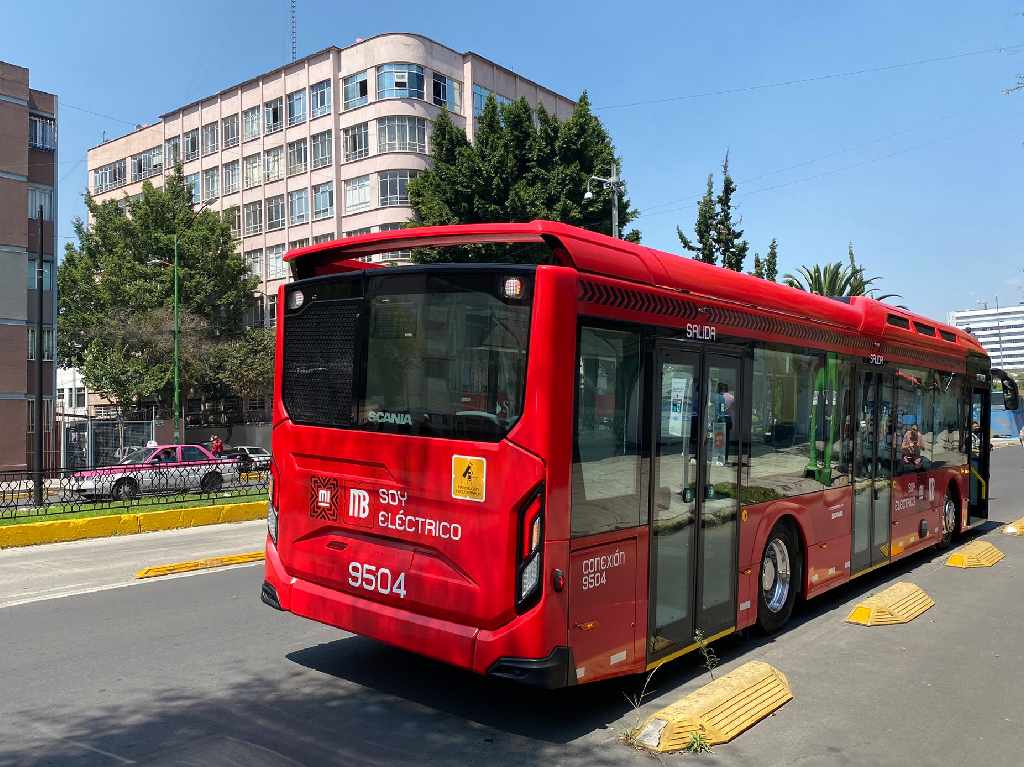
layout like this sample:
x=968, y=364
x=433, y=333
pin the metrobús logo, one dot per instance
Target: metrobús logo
x=382, y=416
x=323, y=498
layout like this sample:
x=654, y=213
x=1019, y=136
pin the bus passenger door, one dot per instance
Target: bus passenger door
x=872, y=473
x=980, y=441
x=694, y=498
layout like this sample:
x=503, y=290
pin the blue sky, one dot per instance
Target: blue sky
x=921, y=166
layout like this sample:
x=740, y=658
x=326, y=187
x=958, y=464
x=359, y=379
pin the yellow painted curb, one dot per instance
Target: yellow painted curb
x=900, y=603
x=200, y=564
x=719, y=711
x=62, y=530
x=975, y=554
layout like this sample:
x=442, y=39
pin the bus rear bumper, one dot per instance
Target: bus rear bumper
x=498, y=654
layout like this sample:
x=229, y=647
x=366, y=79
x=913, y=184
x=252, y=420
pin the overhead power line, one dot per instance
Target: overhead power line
x=818, y=78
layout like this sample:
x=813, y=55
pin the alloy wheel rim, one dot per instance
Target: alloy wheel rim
x=949, y=517
x=775, y=575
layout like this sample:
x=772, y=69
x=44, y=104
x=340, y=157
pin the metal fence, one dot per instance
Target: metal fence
x=102, y=442
x=121, y=487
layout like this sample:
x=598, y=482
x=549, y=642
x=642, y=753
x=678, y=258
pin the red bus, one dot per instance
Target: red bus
x=560, y=472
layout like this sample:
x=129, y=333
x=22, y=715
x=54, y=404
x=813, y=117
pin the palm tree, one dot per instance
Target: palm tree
x=836, y=279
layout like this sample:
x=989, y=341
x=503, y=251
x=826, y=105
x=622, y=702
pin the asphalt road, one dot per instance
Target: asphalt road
x=195, y=671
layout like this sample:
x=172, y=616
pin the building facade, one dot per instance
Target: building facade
x=318, y=149
x=1000, y=331
x=28, y=181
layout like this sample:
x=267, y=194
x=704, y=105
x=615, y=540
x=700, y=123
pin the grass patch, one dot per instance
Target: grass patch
x=101, y=509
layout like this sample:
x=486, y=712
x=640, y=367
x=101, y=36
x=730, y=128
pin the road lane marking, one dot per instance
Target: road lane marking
x=200, y=564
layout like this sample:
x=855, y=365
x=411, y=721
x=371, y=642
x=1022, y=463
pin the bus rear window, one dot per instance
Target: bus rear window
x=435, y=352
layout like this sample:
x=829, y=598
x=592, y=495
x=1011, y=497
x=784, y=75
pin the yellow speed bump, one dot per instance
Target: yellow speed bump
x=719, y=711
x=900, y=603
x=975, y=554
x=199, y=564
x=1014, y=528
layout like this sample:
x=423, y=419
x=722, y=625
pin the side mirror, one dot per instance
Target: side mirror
x=1011, y=395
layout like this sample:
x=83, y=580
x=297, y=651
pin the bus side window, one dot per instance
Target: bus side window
x=606, y=445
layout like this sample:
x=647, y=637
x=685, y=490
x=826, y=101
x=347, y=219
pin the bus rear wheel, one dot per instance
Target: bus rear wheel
x=950, y=520
x=779, y=578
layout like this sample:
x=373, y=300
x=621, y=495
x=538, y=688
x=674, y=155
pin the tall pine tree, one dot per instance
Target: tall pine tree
x=771, y=262
x=704, y=229
x=729, y=242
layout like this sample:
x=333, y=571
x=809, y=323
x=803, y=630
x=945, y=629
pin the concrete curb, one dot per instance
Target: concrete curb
x=62, y=530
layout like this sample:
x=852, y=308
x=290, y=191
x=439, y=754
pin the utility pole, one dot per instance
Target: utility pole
x=37, y=495
x=615, y=184
x=177, y=341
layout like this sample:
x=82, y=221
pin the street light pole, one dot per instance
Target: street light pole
x=177, y=337
x=615, y=184
x=37, y=485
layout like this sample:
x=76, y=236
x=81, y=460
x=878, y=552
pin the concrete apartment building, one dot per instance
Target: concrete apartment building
x=28, y=162
x=320, y=148
x=1000, y=331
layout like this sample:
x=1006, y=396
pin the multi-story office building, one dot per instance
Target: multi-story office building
x=28, y=181
x=321, y=148
x=1000, y=331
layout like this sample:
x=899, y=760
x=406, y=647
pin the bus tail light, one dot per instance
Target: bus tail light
x=530, y=559
x=272, y=515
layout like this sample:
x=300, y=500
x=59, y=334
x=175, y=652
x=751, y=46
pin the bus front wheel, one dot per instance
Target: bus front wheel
x=779, y=578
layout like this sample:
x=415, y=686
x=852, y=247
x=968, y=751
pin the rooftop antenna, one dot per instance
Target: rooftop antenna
x=291, y=6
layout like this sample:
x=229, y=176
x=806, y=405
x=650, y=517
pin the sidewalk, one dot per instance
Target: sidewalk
x=56, y=570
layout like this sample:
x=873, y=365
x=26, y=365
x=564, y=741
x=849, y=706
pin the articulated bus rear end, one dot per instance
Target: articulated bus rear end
x=413, y=460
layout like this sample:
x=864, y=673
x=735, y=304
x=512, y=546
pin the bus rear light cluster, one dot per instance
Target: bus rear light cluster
x=272, y=515
x=530, y=557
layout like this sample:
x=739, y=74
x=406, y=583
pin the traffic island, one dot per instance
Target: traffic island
x=63, y=530
x=718, y=711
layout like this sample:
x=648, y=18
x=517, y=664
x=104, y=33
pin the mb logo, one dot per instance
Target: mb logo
x=358, y=503
x=323, y=498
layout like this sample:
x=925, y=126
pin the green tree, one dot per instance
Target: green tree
x=116, y=289
x=861, y=285
x=522, y=165
x=836, y=279
x=771, y=262
x=246, y=364
x=758, y=266
x=729, y=242
x=704, y=229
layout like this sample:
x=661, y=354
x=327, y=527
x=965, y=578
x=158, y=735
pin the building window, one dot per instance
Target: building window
x=254, y=260
x=42, y=132
x=298, y=206
x=273, y=164
x=211, y=184
x=320, y=99
x=401, y=134
x=191, y=144
x=251, y=171
x=276, y=267
x=40, y=197
x=229, y=131
x=357, y=194
x=606, y=465
x=320, y=148
x=357, y=232
x=148, y=163
x=357, y=142
x=356, y=90
x=192, y=182
x=210, y=134
x=253, y=218
x=296, y=244
x=251, y=124
x=447, y=93
x=297, y=156
x=47, y=344
x=79, y=396
x=394, y=187
x=109, y=177
x=273, y=116
x=275, y=212
x=297, y=107
x=231, y=179
x=400, y=81
x=323, y=200
x=480, y=94
x=172, y=151
x=271, y=315
x=47, y=275
x=391, y=255
x=321, y=238
x=233, y=216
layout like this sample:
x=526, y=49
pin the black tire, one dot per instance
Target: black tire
x=950, y=520
x=125, y=489
x=782, y=566
x=211, y=482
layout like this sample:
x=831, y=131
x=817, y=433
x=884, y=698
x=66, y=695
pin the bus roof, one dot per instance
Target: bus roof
x=592, y=253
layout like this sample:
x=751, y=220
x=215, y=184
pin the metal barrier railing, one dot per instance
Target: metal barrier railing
x=69, y=491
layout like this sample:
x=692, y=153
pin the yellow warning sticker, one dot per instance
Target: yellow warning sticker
x=469, y=478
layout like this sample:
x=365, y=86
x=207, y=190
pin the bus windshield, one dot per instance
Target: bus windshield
x=437, y=353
